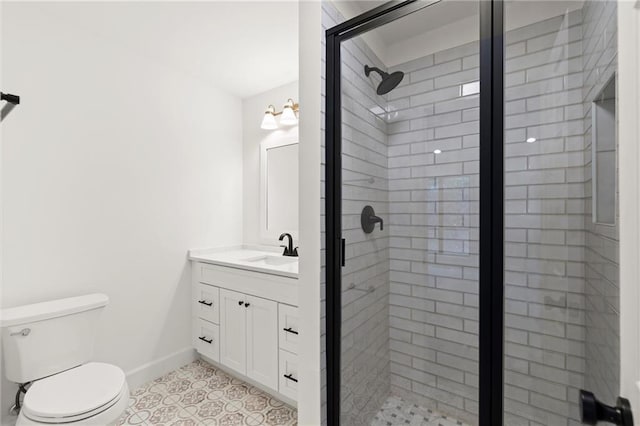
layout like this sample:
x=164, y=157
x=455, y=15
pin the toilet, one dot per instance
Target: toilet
x=50, y=345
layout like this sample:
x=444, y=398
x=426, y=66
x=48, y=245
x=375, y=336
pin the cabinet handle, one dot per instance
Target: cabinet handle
x=246, y=305
x=290, y=330
x=204, y=302
x=240, y=303
x=204, y=339
x=290, y=377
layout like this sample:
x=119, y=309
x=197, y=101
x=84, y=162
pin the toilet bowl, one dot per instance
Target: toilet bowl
x=91, y=394
x=49, y=345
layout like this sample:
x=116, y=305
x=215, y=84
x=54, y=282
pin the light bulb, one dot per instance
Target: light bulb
x=269, y=119
x=288, y=116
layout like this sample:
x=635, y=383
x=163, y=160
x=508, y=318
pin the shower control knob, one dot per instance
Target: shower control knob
x=368, y=220
x=593, y=411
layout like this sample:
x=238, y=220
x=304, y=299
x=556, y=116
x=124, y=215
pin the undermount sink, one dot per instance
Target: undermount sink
x=271, y=260
x=257, y=260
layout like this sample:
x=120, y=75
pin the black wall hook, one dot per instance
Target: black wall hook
x=12, y=99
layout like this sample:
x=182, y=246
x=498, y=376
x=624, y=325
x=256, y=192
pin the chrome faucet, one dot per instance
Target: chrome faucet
x=288, y=250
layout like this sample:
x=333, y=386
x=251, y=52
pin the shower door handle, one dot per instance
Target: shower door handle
x=343, y=256
x=593, y=411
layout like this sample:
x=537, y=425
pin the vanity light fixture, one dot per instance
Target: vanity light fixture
x=288, y=115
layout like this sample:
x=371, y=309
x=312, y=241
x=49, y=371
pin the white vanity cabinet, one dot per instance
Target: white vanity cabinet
x=247, y=321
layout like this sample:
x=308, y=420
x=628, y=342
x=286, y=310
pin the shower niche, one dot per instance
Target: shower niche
x=604, y=158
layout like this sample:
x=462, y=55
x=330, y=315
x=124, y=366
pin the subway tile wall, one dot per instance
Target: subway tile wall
x=544, y=219
x=434, y=233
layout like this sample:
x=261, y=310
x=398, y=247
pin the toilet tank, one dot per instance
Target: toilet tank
x=46, y=338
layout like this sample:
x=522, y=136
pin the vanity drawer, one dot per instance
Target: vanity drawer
x=206, y=302
x=288, y=374
x=206, y=338
x=288, y=328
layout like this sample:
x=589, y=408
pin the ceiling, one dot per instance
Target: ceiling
x=443, y=24
x=437, y=15
x=244, y=47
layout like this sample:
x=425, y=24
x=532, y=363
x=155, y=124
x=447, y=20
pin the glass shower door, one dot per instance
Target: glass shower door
x=409, y=204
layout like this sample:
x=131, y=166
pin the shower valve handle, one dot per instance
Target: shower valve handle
x=368, y=220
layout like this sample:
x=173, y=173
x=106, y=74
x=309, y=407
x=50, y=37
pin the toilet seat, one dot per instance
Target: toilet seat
x=76, y=394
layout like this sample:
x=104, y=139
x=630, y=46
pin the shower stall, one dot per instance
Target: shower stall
x=472, y=232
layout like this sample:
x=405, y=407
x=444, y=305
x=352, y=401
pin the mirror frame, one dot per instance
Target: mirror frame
x=270, y=237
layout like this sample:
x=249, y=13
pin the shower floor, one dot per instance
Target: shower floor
x=396, y=411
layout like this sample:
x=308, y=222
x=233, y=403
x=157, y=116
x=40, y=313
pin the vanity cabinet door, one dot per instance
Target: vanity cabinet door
x=262, y=341
x=233, y=330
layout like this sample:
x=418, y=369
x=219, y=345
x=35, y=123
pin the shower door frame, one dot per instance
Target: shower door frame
x=491, y=244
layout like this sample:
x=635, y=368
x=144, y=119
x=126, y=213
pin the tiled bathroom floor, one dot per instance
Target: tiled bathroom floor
x=200, y=394
x=395, y=412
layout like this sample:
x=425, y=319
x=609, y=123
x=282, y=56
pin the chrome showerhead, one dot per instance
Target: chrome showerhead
x=389, y=81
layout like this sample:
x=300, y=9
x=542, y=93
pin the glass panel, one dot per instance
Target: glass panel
x=561, y=268
x=410, y=98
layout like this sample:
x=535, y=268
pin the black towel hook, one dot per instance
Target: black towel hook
x=12, y=99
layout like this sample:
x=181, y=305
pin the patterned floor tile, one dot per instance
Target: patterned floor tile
x=200, y=394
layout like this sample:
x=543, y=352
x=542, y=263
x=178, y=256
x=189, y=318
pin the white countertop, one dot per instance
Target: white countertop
x=258, y=259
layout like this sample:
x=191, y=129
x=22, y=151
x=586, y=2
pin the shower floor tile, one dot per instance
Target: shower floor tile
x=200, y=394
x=395, y=411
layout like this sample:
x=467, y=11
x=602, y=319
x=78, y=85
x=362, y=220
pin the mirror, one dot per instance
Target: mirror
x=603, y=151
x=278, y=190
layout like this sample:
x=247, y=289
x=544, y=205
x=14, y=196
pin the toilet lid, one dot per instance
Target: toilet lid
x=73, y=392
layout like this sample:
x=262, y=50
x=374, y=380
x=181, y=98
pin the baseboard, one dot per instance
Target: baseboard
x=159, y=367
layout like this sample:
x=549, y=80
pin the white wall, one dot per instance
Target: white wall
x=310, y=360
x=629, y=157
x=253, y=109
x=113, y=167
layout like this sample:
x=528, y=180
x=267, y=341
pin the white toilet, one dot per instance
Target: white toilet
x=50, y=344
